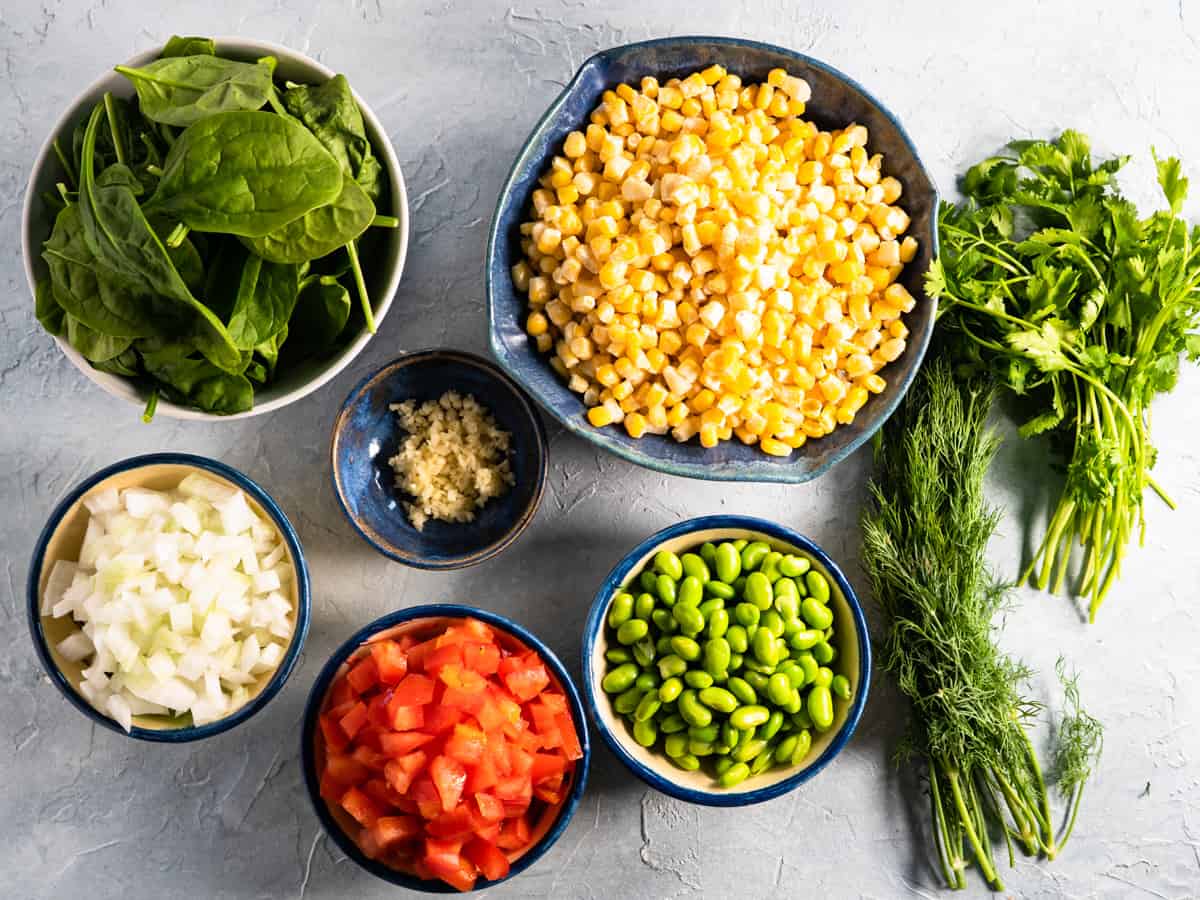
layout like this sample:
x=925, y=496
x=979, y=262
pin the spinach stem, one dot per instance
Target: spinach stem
x=68, y=168
x=177, y=236
x=64, y=193
x=361, y=285
x=381, y=221
x=110, y=113
x=151, y=406
x=273, y=99
x=154, y=170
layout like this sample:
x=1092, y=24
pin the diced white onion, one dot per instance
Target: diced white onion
x=76, y=646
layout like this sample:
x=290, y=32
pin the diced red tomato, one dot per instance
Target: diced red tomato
x=440, y=657
x=466, y=744
x=570, y=737
x=355, y=719
x=418, y=653
x=413, y=690
x=341, y=693
x=335, y=738
x=361, y=807
x=481, y=657
x=514, y=835
x=397, y=744
x=443, y=718
x=425, y=795
x=526, y=683
x=377, y=711
x=556, y=702
x=549, y=790
x=371, y=759
x=345, y=769
x=483, y=776
x=488, y=858
x=490, y=809
x=401, y=772
x=450, y=778
x=363, y=676
x=391, y=662
x=546, y=765
x=457, y=823
x=391, y=830
x=444, y=860
x=331, y=790
x=379, y=791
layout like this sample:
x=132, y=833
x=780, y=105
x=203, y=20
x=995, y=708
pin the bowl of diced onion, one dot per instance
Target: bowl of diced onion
x=168, y=597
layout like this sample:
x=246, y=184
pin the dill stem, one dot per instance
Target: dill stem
x=951, y=870
x=1062, y=840
x=967, y=820
x=1043, y=797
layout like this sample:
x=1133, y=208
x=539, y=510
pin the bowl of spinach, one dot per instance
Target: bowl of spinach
x=215, y=228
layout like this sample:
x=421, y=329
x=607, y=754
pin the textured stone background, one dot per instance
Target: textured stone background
x=458, y=85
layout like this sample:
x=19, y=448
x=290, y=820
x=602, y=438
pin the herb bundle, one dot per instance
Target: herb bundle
x=1051, y=282
x=205, y=235
x=925, y=537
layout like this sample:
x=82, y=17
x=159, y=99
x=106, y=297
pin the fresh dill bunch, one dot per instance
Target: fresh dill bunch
x=925, y=538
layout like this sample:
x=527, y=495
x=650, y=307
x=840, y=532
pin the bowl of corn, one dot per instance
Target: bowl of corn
x=708, y=257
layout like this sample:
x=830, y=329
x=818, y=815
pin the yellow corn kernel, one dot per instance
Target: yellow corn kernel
x=635, y=424
x=708, y=435
x=536, y=324
x=908, y=249
x=703, y=401
x=874, y=383
x=544, y=342
x=677, y=414
x=599, y=416
x=775, y=447
x=575, y=145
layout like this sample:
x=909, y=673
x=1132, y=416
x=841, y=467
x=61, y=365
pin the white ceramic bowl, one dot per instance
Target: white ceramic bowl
x=383, y=274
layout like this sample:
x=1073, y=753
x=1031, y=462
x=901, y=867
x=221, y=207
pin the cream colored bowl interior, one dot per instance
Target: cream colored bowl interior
x=64, y=544
x=847, y=663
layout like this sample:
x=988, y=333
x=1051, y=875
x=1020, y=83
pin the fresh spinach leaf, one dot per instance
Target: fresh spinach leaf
x=188, y=46
x=127, y=364
x=319, y=318
x=321, y=231
x=266, y=296
x=94, y=346
x=190, y=378
x=269, y=351
x=46, y=308
x=330, y=112
x=183, y=90
x=245, y=173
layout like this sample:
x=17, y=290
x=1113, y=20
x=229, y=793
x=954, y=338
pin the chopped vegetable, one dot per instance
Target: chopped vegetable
x=924, y=542
x=1050, y=281
x=438, y=751
x=182, y=597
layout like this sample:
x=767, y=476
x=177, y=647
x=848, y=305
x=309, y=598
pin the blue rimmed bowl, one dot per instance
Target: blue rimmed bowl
x=837, y=100
x=420, y=619
x=851, y=640
x=61, y=539
x=366, y=434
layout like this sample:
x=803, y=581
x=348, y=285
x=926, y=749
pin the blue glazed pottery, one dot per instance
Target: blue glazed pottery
x=61, y=538
x=551, y=828
x=850, y=638
x=366, y=434
x=837, y=101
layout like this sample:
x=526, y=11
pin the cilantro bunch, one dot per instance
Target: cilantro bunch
x=1049, y=280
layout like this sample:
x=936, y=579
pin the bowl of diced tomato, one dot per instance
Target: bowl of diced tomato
x=445, y=748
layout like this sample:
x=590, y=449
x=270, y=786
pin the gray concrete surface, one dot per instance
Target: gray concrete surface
x=86, y=813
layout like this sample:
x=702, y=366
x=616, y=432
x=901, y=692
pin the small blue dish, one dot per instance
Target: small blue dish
x=851, y=639
x=61, y=538
x=423, y=617
x=366, y=434
x=836, y=101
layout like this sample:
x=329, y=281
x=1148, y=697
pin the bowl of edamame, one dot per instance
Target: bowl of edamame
x=726, y=660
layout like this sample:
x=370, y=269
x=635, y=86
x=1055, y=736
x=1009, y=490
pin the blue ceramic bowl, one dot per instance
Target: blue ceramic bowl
x=419, y=618
x=366, y=435
x=61, y=539
x=850, y=637
x=837, y=100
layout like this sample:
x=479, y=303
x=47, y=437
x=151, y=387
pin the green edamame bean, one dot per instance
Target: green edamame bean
x=818, y=586
x=619, y=679
x=729, y=734
x=840, y=686
x=773, y=622
x=763, y=646
x=666, y=589
x=687, y=762
x=728, y=562
x=697, y=679
x=741, y=689
x=663, y=644
x=805, y=640
x=787, y=598
x=685, y=648
x=753, y=555
x=667, y=563
x=669, y=690
x=647, y=708
x=795, y=675
x=824, y=677
x=710, y=606
x=648, y=580
x=701, y=748
x=823, y=652
x=618, y=655
x=644, y=652
x=816, y=614
x=802, y=720
x=664, y=621
x=708, y=552
x=785, y=748
x=779, y=689
x=719, y=589
x=810, y=666
x=736, y=660
x=621, y=610
x=792, y=627
x=718, y=623
x=671, y=665
x=734, y=775
x=672, y=724
x=748, y=717
x=690, y=593
x=643, y=606
x=719, y=699
x=793, y=566
x=627, y=702
x=695, y=567
x=795, y=702
x=753, y=665
x=675, y=745
x=756, y=680
x=647, y=681
x=644, y=732
x=770, y=565
x=739, y=641
x=717, y=654
x=820, y=707
x=744, y=753
x=723, y=765
x=747, y=614
x=632, y=631
x=758, y=591
x=803, y=745
x=693, y=712
x=739, y=585
x=709, y=733
x=772, y=727
x=763, y=761
x=739, y=544
x=691, y=622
